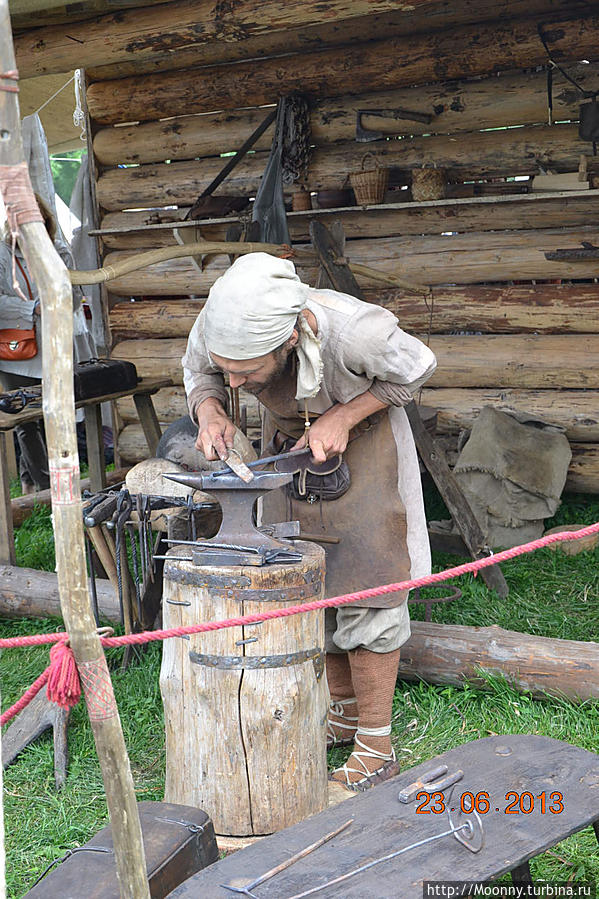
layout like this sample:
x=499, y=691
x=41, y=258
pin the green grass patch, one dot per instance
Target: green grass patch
x=551, y=594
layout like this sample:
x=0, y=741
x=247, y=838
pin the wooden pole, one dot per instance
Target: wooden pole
x=51, y=276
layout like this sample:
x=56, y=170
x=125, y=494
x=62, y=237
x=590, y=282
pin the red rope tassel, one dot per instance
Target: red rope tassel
x=64, y=687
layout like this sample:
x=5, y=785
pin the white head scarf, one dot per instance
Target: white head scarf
x=252, y=310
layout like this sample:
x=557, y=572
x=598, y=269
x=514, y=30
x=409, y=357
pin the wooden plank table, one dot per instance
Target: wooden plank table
x=142, y=396
x=497, y=766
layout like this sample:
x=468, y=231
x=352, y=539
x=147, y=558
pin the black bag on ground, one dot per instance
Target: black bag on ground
x=98, y=377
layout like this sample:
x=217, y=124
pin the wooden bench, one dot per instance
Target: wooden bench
x=512, y=764
x=142, y=396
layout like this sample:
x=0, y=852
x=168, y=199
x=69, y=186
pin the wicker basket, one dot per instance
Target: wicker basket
x=301, y=200
x=428, y=184
x=370, y=185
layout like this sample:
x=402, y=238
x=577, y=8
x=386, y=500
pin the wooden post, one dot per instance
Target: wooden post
x=51, y=277
x=7, y=543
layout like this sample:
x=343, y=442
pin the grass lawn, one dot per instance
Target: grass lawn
x=551, y=594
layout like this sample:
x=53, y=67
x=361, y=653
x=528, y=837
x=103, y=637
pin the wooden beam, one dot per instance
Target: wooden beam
x=519, y=361
x=575, y=410
x=434, y=17
x=528, y=361
x=455, y=106
x=583, y=473
x=453, y=654
x=456, y=53
x=26, y=14
x=485, y=154
x=504, y=309
x=27, y=593
x=138, y=230
x=113, y=38
x=458, y=259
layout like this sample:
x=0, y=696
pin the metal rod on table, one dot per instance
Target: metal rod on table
x=288, y=862
x=377, y=861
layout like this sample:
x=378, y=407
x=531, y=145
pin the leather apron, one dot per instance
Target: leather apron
x=369, y=520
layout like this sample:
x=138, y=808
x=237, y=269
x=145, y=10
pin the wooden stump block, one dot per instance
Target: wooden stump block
x=246, y=708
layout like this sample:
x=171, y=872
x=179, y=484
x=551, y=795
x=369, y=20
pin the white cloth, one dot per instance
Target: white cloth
x=252, y=310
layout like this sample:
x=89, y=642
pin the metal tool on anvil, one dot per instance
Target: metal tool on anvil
x=431, y=782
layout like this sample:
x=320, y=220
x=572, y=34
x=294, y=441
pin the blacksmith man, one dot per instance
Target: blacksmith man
x=346, y=368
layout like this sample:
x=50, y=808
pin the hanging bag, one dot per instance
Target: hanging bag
x=18, y=344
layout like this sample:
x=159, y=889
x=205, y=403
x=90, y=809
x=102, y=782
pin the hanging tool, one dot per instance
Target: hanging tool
x=365, y=135
x=428, y=783
x=188, y=235
x=123, y=511
x=246, y=890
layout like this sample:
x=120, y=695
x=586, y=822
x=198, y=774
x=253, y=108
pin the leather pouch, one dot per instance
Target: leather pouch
x=313, y=482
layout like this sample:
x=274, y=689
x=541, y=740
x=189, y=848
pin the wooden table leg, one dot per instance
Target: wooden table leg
x=95, y=447
x=11, y=456
x=148, y=419
x=7, y=542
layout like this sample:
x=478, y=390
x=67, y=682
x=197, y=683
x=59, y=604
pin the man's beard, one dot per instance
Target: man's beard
x=282, y=362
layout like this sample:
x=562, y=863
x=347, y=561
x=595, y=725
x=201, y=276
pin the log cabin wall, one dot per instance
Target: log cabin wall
x=509, y=328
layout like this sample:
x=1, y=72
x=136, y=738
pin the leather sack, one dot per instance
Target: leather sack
x=17, y=345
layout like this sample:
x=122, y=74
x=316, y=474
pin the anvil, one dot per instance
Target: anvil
x=237, y=530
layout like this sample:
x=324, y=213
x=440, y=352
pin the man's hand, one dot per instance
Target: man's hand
x=328, y=435
x=216, y=431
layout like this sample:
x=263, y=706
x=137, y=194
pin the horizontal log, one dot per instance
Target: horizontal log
x=170, y=404
x=523, y=361
x=454, y=654
x=25, y=14
x=529, y=361
x=23, y=506
x=456, y=259
x=455, y=106
x=485, y=154
x=575, y=410
x=27, y=593
x=153, y=355
x=543, y=308
x=163, y=318
x=456, y=53
x=512, y=212
x=131, y=444
x=433, y=17
x=113, y=38
x=583, y=473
